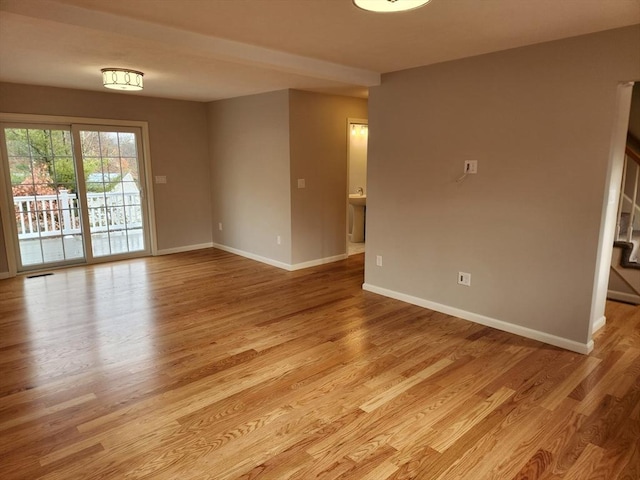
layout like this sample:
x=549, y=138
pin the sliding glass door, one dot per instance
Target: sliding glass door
x=76, y=192
x=44, y=191
x=112, y=177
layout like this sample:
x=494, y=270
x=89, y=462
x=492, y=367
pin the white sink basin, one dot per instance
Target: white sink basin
x=357, y=200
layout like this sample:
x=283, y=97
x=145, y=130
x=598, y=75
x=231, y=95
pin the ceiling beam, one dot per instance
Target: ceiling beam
x=208, y=46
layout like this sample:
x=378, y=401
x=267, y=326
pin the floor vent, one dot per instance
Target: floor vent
x=40, y=275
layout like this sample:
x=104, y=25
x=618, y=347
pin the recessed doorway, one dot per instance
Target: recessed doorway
x=358, y=135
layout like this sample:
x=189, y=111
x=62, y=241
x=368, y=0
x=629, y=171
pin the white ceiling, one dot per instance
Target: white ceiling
x=211, y=49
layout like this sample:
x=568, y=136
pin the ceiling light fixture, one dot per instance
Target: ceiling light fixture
x=122, y=79
x=385, y=6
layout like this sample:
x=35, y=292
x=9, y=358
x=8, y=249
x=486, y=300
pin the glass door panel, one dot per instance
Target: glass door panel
x=76, y=192
x=45, y=195
x=113, y=185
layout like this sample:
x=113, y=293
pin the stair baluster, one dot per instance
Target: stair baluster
x=621, y=200
x=634, y=202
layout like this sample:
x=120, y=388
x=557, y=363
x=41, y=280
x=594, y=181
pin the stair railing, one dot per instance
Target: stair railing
x=630, y=156
x=634, y=203
x=621, y=199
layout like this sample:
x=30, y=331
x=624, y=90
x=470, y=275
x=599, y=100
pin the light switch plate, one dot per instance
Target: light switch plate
x=471, y=166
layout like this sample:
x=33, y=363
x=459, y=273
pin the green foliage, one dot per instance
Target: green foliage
x=31, y=149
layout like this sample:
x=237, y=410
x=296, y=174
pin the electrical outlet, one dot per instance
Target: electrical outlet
x=161, y=179
x=471, y=166
x=278, y=240
x=464, y=279
x=301, y=183
x=220, y=226
x=379, y=260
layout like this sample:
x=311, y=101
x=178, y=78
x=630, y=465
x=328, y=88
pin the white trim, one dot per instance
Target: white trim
x=319, y=261
x=148, y=189
x=276, y=263
x=599, y=323
x=623, y=297
x=253, y=256
x=584, y=348
x=185, y=248
x=4, y=275
x=66, y=121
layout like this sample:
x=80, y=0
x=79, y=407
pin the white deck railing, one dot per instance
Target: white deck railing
x=54, y=215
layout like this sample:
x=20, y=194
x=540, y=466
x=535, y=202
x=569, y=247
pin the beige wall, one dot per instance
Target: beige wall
x=260, y=146
x=318, y=140
x=249, y=144
x=539, y=121
x=178, y=145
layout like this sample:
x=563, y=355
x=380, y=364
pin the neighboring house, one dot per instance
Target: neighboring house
x=124, y=184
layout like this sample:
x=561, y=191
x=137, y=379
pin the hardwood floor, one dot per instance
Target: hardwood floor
x=206, y=365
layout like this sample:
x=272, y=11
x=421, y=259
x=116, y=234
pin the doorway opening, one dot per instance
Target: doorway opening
x=358, y=137
x=610, y=214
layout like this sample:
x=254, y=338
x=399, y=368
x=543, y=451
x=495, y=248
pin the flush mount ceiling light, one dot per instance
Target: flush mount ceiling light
x=122, y=79
x=385, y=6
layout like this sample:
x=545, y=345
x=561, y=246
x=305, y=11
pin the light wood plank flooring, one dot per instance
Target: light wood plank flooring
x=206, y=365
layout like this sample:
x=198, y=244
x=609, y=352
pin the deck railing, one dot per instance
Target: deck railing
x=55, y=215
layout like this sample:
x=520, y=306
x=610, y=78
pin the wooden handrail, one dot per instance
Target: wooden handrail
x=632, y=154
x=633, y=148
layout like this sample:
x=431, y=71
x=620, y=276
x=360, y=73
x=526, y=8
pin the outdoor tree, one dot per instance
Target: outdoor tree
x=42, y=160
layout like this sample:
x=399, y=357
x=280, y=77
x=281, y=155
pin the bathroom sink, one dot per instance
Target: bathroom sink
x=357, y=200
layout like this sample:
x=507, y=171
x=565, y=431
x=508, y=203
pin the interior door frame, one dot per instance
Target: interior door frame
x=6, y=211
x=350, y=122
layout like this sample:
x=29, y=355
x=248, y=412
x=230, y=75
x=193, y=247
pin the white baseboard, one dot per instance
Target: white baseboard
x=275, y=263
x=186, y=248
x=584, y=348
x=253, y=256
x=623, y=297
x=599, y=323
x=4, y=275
x=319, y=261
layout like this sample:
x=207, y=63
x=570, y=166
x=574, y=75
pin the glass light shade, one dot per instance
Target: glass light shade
x=385, y=6
x=122, y=79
